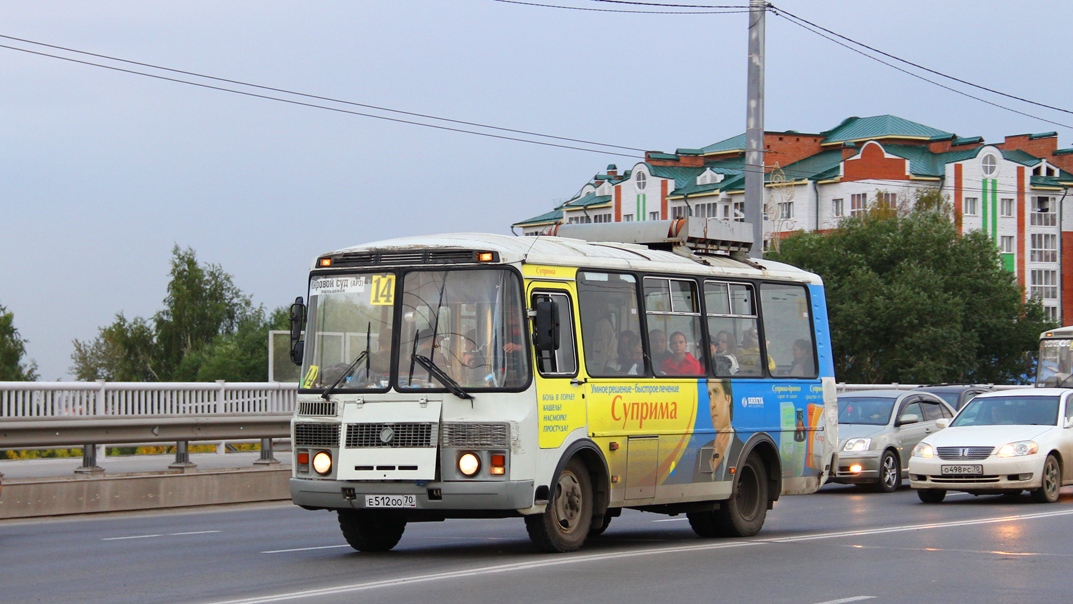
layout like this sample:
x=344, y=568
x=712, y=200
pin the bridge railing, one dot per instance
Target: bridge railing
x=140, y=399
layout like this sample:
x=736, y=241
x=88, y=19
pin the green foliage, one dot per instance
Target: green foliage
x=122, y=352
x=12, y=351
x=208, y=330
x=911, y=301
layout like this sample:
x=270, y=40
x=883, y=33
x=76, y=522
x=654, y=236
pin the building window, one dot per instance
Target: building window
x=857, y=203
x=786, y=210
x=627, y=218
x=1044, y=285
x=888, y=200
x=739, y=211
x=1051, y=312
x=1044, y=247
x=601, y=218
x=641, y=181
x=1041, y=212
x=653, y=215
x=1006, y=244
x=1006, y=207
x=989, y=165
x=726, y=211
x=679, y=212
x=972, y=206
x=838, y=207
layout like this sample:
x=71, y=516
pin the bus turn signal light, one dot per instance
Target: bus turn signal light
x=324, y=262
x=485, y=257
x=499, y=465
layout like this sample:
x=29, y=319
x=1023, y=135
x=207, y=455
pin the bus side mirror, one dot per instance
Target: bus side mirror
x=546, y=330
x=298, y=312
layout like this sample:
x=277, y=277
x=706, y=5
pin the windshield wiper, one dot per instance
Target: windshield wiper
x=339, y=380
x=442, y=376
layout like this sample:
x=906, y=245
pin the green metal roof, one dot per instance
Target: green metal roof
x=881, y=126
x=547, y=218
x=1042, y=135
x=967, y=140
x=812, y=166
x=589, y=200
x=1064, y=151
x=1021, y=157
x=659, y=155
x=734, y=143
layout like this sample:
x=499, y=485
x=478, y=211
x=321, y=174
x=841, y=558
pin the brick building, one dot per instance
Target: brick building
x=1014, y=191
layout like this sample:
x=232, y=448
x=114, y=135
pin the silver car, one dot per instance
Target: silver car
x=877, y=430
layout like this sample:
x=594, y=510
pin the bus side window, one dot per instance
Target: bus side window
x=788, y=330
x=608, y=307
x=563, y=360
x=672, y=308
x=731, y=313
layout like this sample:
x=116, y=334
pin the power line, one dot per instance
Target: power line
x=778, y=10
x=734, y=9
x=809, y=28
x=314, y=105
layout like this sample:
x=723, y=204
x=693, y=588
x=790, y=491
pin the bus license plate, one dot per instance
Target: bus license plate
x=391, y=501
x=969, y=470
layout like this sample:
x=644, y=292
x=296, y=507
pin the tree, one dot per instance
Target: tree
x=911, y=301
x=12, y=351
x=124, y=351
x=208, y=330
x=202, y=302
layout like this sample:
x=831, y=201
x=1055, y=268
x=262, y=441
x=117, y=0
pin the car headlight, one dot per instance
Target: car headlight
x=923, y=450
x=1018, y=449
x=857, y=444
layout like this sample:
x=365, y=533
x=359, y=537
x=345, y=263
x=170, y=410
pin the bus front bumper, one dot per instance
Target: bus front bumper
x=463, y=498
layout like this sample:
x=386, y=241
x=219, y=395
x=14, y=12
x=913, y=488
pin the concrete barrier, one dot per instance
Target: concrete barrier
x=59, y=496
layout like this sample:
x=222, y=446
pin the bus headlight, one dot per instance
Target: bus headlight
x=322, y=463
x=469, y=464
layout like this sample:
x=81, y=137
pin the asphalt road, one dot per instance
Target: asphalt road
x=839, y=545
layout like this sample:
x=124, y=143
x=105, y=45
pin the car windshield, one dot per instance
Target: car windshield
x=874, y=410
x=1055, y=362
x=1009, y=411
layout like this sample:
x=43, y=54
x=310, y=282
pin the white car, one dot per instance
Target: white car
x=1000, y=442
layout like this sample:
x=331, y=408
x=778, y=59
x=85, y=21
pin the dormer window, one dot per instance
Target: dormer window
x=641, y=181
x=989, y=165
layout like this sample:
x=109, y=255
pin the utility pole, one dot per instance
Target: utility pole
x=754, y=129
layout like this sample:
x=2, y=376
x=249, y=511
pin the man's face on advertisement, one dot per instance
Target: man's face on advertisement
x=720, y=405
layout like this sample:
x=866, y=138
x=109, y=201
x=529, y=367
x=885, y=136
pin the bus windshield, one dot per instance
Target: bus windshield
x=1055, y=362
x=468, y=323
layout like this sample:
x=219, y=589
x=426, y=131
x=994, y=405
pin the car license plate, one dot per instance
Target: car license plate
x=968, y=470
x=391, y=501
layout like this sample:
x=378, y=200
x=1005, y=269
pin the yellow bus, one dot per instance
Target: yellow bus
x=560, y=379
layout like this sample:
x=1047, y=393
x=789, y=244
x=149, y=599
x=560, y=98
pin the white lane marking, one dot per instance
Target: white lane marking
x=302, y=549
x=997, y=552
x=671, y=520
x=844, y=600
x=156, y=535
x=582, y=558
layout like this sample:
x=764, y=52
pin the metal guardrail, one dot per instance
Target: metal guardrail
x=101, y=398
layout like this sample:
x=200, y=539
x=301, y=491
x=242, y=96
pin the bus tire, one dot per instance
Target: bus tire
x=704, y=524
x=371, y=531
x=598, y=529
x=743, y=514
x=566, y=521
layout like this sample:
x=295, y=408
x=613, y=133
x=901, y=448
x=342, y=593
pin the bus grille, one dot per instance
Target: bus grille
x=475, y=435
x=965, y=453
x=362, y=436
x=405, y=258
x=324, y=408
x=316, y=435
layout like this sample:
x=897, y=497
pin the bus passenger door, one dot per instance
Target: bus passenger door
x=559, y=395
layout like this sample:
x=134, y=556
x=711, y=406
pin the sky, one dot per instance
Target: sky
x=104, y=172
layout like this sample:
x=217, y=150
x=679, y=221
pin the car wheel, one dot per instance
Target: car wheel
x=931, y=495
x=890, y=472
x=1052, y=482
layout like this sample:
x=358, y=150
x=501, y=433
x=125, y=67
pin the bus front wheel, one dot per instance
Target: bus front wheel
x=371, y=531
x=568, y=517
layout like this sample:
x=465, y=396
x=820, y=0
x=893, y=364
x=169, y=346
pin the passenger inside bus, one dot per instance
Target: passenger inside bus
x=657, y=339
x=682, y=362
x=722, y=350
x=631, y=355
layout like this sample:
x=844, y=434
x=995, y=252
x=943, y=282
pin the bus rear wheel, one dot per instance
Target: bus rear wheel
x=743, y=514
x=566, y=521
x=371, y=531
